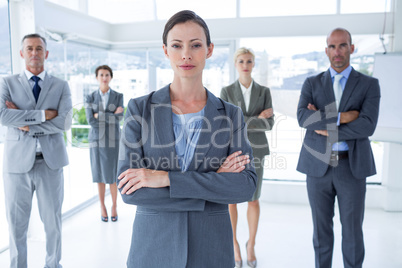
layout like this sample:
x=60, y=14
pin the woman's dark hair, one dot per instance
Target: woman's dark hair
x=182, y=17
x=104, y=67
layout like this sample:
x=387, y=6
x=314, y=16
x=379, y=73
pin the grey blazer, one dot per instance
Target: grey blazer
x=20, y=146
x=188, y=223
x=361, y=93
x=107, y=126
x=260, y=100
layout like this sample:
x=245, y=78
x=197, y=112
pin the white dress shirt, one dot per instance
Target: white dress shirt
x=105, y=97
x=246, y=94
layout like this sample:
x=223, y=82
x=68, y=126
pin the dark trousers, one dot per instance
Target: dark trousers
x=350, y=192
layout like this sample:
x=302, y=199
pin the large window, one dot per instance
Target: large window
x=283, y=64
x=5, y=69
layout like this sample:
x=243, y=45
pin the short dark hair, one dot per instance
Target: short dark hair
x=104, y=67
x=182, y=17
x=339, y=29
x=34, y=35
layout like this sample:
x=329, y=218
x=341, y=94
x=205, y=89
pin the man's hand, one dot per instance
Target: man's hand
x=50, y=114
x=26, y=128
x=96, y=115
x=11, y=105
x=266, y=113
x=349, y=116
x=312, y=107
x=119, y=110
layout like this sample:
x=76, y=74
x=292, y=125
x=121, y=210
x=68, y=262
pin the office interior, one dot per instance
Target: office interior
x=288, y=38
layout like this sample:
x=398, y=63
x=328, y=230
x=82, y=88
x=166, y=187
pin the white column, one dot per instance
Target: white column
x=22, y=22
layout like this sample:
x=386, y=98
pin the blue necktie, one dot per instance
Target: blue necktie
x=36, y=88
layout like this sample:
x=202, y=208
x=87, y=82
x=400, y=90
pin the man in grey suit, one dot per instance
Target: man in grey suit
x=36, y=107
x=339, y=108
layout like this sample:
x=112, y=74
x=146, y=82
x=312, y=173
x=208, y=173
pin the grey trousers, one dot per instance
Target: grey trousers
x=19, y=189
x=338, y=183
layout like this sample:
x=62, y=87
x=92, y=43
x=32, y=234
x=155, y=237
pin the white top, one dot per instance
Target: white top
x=246, y=94
x=105, y=97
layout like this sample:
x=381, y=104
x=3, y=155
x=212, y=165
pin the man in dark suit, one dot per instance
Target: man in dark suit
x=36, y=107
x=339, y=108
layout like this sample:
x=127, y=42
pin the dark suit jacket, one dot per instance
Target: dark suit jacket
x=361, y=93
x=107, y=125
x=188, y=223
x=260, y=100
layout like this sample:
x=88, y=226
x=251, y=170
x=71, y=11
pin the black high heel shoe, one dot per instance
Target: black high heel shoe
x=105, y=219
x=115, y=218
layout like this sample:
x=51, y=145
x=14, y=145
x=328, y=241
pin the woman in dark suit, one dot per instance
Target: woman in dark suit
x=104, y=111
x=256, y=104
x=173, y=145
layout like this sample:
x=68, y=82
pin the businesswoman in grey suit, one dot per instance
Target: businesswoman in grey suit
x=256, y=104
x=104, y=111
x=171, y=161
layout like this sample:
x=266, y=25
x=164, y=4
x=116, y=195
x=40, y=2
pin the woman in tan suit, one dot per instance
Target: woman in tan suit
x=256, y=104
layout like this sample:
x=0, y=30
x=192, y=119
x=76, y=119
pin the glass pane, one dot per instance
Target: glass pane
x=121, y=11
x=207, y=9
x=283, y=66
x=263, y=8
x=5, y=69
x=71, y=4
x=365, y=6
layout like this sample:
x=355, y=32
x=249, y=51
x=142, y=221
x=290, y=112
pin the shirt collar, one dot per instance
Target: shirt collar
x=244, y=89
x=104, y=94
x=29, y=75
x=345, y=72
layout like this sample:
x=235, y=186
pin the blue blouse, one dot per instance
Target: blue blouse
x=187, y=129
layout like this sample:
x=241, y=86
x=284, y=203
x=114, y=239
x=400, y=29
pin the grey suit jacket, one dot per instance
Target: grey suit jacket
x=20, y=146
x=186, y=224
x=107, y=126
x=361, y=93
x=260, y=100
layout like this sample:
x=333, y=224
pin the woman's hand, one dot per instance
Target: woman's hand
x=266, y=113
x=119, y=110
x=96, y=115
x=234, y=163
x=136, y=178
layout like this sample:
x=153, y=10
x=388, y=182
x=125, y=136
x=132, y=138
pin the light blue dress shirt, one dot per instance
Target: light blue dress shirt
x=187, y=129
x=342, y=145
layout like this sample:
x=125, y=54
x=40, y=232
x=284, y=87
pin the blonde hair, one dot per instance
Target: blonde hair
x=241, y=51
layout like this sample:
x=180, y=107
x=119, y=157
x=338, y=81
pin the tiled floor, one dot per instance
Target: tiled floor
x=283, y=240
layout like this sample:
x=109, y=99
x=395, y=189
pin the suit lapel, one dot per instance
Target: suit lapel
x=255, y=94
x=210, y=123
x=27, y=87
x=349, y=88
x=238, y=95
x=328, y=87
x=162, y=123
x=47, y=82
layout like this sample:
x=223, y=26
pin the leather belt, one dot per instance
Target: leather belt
x=39, y=155
x=336, y=156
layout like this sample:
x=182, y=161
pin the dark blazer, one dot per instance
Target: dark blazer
x=188, y=223
x=107, y=125
x=260, y=99
x=361, y=93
